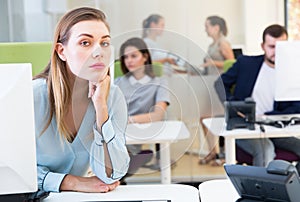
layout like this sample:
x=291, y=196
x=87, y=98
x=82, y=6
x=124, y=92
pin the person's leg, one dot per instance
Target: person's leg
x=137, y=161
x=213, y=142
x=157, y=150
x=222, y=147
x=262, y=150
x=291, y=144
x=213, y=148
x=134, y=149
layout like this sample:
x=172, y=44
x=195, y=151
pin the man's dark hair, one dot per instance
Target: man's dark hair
x=274, y=31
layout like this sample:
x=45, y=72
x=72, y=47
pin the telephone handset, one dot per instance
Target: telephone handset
x=281, y=167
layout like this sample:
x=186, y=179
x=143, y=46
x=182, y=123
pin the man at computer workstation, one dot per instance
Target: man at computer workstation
x=253, y=76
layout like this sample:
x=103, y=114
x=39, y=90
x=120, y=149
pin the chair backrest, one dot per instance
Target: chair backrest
x=227, y=64
x=36, y=53
x=237, y=52
x=157, y=69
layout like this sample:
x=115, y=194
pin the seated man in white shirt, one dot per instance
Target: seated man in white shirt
x=253, y=76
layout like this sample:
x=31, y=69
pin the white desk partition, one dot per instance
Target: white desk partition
x=139, y=193
x=162, y=132
x=217, y=127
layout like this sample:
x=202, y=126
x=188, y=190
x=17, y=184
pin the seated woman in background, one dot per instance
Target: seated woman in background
x=153, y=27
x=80, y=119
x=146, y=95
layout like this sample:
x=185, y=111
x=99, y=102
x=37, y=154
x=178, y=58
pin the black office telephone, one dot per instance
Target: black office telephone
x=279, y=182
x=240, y=114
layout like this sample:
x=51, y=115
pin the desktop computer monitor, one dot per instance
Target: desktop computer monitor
x=287, y=65
x=18, y=169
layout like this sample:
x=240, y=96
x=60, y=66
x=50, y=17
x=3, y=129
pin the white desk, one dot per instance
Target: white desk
x=218, y=190
x=173, y=192
x=217, y=126
x=162, y=132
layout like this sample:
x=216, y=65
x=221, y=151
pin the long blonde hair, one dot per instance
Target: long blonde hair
x=56, y=72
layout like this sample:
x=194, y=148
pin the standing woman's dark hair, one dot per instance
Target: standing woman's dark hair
x=154, y=18
x=142, y=47
x=216, y=20
x=56, y=73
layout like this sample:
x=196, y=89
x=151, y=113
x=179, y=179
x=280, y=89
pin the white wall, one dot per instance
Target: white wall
x=198, y=11
x=246, y=20
x=11, y=21
x=185, y=34
x=37, y=22
x=258, y=15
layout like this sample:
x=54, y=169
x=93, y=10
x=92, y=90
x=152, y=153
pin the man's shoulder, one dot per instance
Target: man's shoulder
x=250, y=57
x=252, y=61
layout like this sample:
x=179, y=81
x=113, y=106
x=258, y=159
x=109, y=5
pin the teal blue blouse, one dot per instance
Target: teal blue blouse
x=57, y=157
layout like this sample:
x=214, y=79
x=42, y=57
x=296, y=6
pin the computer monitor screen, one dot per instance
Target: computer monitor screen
x=287, y=65
x=18, y=171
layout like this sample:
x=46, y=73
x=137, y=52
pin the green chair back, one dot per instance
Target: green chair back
x=118, y=70
x=157, y=69
x=227, y=64
x=36, y=53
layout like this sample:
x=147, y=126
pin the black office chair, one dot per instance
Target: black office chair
x=237, y=52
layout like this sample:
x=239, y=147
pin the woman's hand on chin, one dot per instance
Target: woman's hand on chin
x=99, y=91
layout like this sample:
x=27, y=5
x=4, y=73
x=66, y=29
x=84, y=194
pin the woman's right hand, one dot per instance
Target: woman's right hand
x=170, y=61
x=86, y=184
x=208, y=63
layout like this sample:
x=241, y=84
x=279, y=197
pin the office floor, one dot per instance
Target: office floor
x=186, y=170
x=185, y=154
